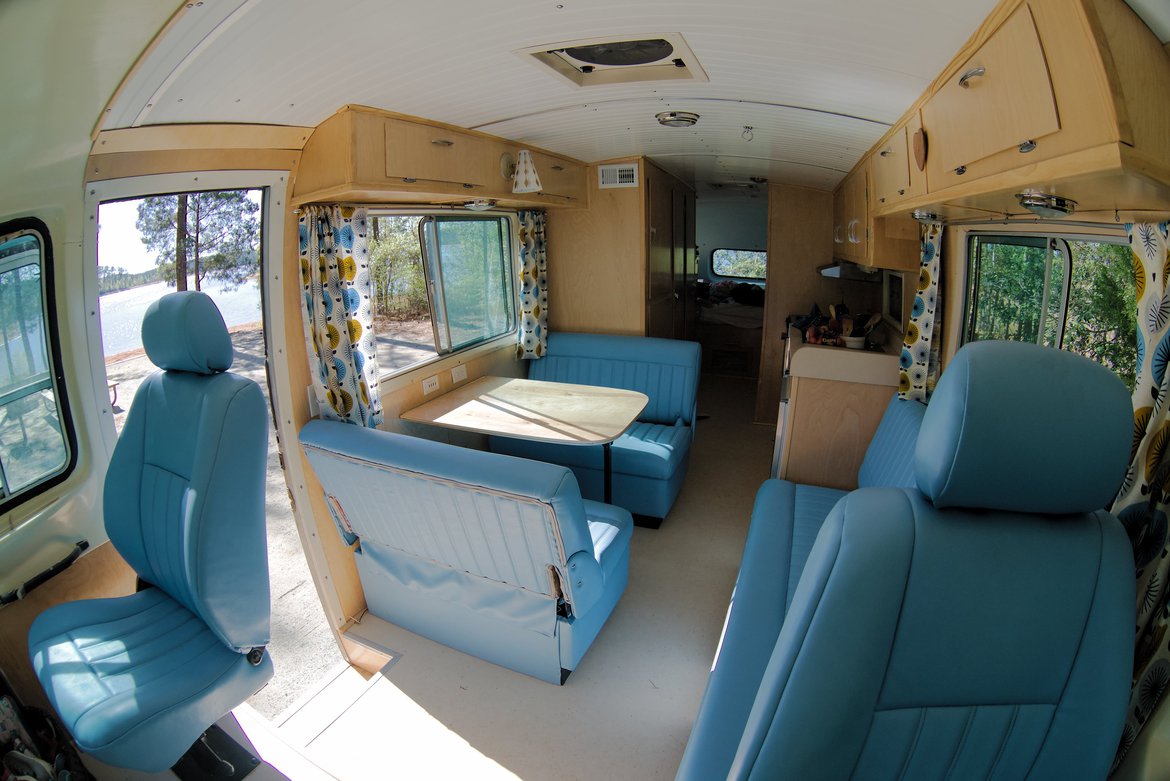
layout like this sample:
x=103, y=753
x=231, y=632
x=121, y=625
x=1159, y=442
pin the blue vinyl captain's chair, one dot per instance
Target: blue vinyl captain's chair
x=138, y=679
x=978, y=625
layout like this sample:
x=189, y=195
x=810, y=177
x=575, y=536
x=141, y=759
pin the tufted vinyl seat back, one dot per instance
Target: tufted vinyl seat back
x=137, y=679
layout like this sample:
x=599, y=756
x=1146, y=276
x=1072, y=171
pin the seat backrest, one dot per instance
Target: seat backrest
x=666, y=370
x=889, y=459
x=184, y=494
x=979, y=627
x=497, y=517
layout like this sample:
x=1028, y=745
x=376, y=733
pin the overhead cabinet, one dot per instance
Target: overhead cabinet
x=999, y=99
x=365, y=155
x=1054, y=96
x=860, y=236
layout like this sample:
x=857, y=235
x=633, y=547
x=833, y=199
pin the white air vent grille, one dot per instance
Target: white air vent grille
x=618, y=175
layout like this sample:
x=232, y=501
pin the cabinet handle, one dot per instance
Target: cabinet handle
x=973, y=73
x=837, y=235
x=885, y=153
x=1027, y=146
x=960, y=170
x=901, y=192
x=558, y=168
x=442, y=142
x=852, y=232
x=882, y=199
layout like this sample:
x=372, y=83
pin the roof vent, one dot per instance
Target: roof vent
x=617, y=175
x=597, y=61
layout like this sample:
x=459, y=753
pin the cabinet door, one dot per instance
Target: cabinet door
x=840, y=250
x=890, y=170
x=998, y=99
x=857, y=214
x=560, y=177
x=430, y=153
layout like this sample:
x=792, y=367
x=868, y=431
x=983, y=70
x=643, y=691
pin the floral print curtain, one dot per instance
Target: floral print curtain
x=533, y=286
x=920, y=354
x=335, y=278
x=1142, y=502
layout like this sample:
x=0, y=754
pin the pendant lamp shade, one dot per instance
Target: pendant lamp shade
x=525, y=180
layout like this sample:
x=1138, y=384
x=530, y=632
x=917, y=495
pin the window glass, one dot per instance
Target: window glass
x=742, y=263
x=441, y=283
x=33, y=441
x=1073, y=294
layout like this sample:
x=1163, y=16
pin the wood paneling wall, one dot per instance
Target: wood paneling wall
x=596, y=267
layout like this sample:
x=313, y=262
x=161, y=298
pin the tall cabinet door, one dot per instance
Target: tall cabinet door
x=659, y=256
x=678, y=260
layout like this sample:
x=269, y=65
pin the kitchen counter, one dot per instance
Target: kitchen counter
x=869, y=367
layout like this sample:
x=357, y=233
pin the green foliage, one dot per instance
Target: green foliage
x=400, y=290
x=222, y=235
x=745, y=263
x=1007, y=293
x=112, y=280
x=22, y=338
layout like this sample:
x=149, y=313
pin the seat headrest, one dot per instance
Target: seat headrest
x=184, y=331
x=1023, y=428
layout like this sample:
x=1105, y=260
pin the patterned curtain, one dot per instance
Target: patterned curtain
x=920, y=353
x=533, y=286
x=1141, y=504
x=335, y=278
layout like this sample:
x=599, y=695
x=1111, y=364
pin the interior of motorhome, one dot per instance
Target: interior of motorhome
x=585, y=390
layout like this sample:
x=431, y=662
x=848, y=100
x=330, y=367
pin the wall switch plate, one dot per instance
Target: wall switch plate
x=430, y=384
x=458, y=374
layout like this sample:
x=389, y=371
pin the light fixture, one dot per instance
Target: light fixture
x=1047, y=206
x=923, y=216
x=747, y=133
x=525, y=180
x=479, y=204
x=676, y=118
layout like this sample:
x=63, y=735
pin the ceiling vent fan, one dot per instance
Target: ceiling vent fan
x=596, y=61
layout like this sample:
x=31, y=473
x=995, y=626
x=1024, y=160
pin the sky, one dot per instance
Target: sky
x=119, y=243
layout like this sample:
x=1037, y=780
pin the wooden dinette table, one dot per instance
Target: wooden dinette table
x=557, y=412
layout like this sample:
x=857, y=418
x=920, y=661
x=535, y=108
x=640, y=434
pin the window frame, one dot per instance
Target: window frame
x=9, y=230
x=753, y=280
x=467, y=350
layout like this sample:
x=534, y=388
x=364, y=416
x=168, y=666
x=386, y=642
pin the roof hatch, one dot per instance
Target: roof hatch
x=595, y=61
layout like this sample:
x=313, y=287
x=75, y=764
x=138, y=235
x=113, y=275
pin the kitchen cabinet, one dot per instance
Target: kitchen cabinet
x=416, y=151
x=835, y=401
x=862, y=237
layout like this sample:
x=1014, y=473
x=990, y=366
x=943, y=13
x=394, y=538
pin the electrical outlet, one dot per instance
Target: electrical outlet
x=458, y=374
x=430, y=384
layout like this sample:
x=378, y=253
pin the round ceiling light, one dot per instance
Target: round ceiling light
x=1047, y=206
x=677, y=118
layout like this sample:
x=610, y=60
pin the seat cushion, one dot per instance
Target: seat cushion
x=649, y=450
x=138, y=679
x=889, y=459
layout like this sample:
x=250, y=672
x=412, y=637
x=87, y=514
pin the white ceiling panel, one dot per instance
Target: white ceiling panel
x=819, y=80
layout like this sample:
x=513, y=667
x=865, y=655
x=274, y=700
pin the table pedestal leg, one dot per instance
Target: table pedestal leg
x=607, y=459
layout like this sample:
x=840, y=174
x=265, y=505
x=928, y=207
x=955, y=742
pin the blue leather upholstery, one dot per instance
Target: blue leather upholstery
x=650, y=459
x=137, y=679
x=889, y=459
x=928, y=642
x=496, y=556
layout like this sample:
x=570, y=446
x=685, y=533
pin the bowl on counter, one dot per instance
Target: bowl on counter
x=855, y=342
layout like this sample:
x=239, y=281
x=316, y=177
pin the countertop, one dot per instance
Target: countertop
x=869, y=367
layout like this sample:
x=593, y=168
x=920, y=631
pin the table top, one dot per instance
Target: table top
x=558, y=412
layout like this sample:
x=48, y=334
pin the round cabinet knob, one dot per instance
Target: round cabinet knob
x=960, y=170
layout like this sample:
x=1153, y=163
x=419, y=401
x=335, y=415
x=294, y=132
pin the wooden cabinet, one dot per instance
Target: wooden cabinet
x=415, y=151
x=1061, y=97
x=1000, y=98
x=862, y=237
x=365, y=155
x=850, y=210
x=894, y=174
